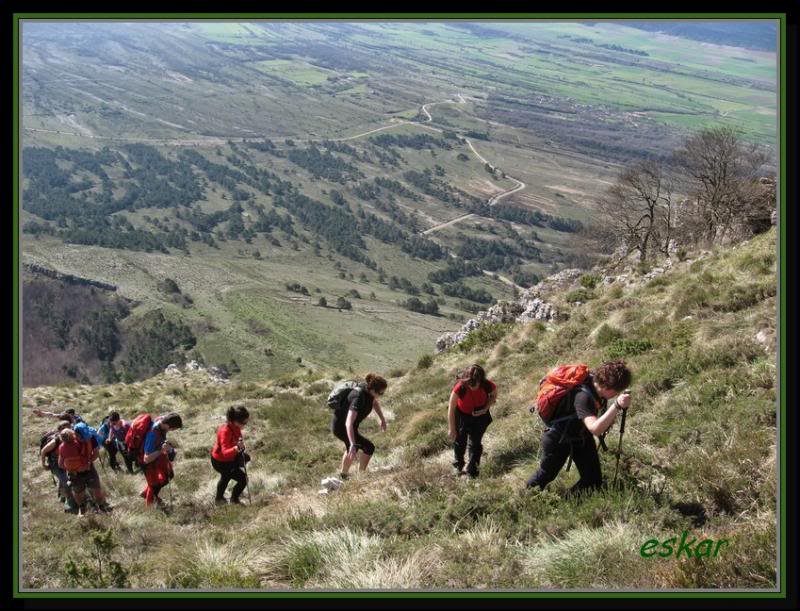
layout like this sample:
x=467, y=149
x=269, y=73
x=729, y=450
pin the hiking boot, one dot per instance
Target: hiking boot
x=473, y=473
x=235, y=501
x=105, y=508
x=72, y=510
x=221, y=501
x=343, y=476
x=83, y=510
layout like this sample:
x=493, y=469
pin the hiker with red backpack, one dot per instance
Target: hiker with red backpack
x=228, y=457
x=76, y=457
x=572, y=401
x=48, y=452
x=352, y=402
x=147, y=440
x=468, y=417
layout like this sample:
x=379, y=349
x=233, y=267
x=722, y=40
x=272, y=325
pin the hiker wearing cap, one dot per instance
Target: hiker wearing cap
x=468, y=417
x=359, y=403
x=580, y=415
x=228, y=456
x=113, y=431
x=48, y=453
x=157, y=456
x=76, y=456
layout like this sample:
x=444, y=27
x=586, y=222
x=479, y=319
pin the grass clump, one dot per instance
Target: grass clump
x=579, y=295
x=606, y=335
x=487, y=335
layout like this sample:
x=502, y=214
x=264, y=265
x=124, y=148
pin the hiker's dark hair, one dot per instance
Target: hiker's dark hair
x=474, y=375
x=375, y=382
x=173, y=420
x=66, y=417
x=64, y=424
x=237, y=413
x=113, y=416
x=70, y=411
x=613, y=374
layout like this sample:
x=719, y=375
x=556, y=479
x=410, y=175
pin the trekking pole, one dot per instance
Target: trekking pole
x=246, y=478
x=169, y=485
x=619, y=447
x=102, y=461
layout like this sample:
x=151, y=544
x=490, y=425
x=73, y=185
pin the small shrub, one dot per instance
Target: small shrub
x=590, y=281
x=425, y=361
x=606, y=335
x=86, y=575
x=739, y=297
x=627, y=347
x=615, y=292
x=581, y=295
x=757, y=263
x=682, y=254
x=691, y=298
x=486, y=335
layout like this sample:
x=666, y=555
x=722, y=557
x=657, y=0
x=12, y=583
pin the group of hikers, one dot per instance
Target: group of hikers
x=572, y=401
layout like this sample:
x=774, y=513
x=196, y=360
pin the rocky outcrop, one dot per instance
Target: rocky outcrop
x=529, y=307
x=215, y=374
x=69, y=278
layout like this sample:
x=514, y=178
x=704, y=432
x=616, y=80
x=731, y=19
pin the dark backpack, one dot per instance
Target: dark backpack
x=337, y=399
x=45, y=439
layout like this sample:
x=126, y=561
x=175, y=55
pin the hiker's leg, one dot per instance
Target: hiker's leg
x=128, y=461
x=239, y=476
x=340, y=432
x=77, y=486
x=154, y=483
x=475, y=434
x=111, y=448
x=554, y=455
x=460, y=443
x=224, y=477
x=588, y=462
x=367, y=450
x=93, y=483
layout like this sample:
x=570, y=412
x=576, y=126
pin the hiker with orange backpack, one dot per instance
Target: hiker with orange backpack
x=228, y=457
x=572, y=401
x=76, y=456
x=468, y=417
x=147, y=440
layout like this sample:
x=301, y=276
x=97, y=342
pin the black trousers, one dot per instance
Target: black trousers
x=229, y=471
x=112, y=450
x=469, y=433
x=339, y=429
x=555, y=453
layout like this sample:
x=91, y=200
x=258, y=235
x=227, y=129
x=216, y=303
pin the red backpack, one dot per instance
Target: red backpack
x=556, y=385
x=134, y=438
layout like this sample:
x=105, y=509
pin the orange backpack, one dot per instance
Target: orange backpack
x=556, y=385
x=80, y=461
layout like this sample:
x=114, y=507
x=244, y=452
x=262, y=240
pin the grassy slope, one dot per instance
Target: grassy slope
x=699, y=455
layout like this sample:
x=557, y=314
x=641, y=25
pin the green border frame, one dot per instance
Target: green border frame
x=17, y=382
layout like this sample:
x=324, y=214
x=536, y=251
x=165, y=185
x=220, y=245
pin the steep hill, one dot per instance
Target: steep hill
x=699, y=455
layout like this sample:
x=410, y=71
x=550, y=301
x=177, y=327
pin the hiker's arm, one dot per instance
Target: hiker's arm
x=40, y=412
x=350, y=426
x=598, y=426
x=377, y=407
x=49, y=447
x=451, y=416
x=489, y=402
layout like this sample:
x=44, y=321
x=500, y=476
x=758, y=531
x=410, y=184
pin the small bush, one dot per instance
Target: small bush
x=682, y=254
x=739, y=297
x=606, y=335
x=615, y=292
x=757, y=263
x=691, y=298
x=581, y=295
x=590, y=281
x=425, y=361
x=626, y=347
x=484, y=336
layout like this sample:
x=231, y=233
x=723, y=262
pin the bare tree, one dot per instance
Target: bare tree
x=720, y=174
x=638, y=207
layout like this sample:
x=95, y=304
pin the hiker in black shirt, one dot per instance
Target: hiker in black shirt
x=576, y=435
x=360, y=403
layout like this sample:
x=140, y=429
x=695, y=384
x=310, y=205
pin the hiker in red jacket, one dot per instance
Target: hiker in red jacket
x=468, y=417
x=157, y=456
x=228, y=456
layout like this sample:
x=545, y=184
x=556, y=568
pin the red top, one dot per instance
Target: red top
x=225, y=449
x=76, y=455
x=473, y=398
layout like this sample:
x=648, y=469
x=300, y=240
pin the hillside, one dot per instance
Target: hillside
x=699, y=455
x=408, y=174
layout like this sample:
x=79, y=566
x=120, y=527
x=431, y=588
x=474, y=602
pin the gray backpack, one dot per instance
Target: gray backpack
x=337, y=399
